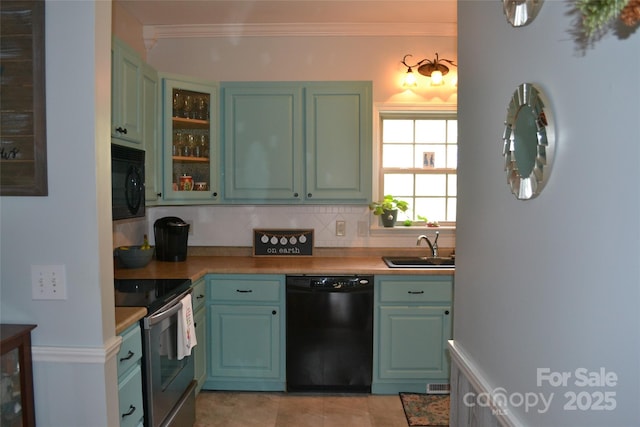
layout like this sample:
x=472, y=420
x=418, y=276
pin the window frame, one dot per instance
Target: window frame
x=385, y=111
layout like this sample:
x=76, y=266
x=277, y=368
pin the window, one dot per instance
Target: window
x=418, y=163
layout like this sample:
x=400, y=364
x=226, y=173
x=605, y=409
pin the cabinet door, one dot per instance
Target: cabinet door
x=150, y=131
x=126, y=109
x=191, y=163
x=412, y=342
x=200, y=350
x=263, y=142
x=338, y=141
x=244, y=341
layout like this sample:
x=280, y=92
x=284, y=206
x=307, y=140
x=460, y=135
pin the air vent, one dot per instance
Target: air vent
x=438, y=389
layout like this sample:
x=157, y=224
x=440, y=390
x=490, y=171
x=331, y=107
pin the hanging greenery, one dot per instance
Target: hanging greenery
x=597, y=14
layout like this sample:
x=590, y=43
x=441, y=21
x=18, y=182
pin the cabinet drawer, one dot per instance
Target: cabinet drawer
x=130, y=398
x=245, y=288
x=131, y=349
x=416, y=290
x=198, y=295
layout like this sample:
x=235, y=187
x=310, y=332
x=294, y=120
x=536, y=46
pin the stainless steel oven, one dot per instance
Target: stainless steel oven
x=168, y=382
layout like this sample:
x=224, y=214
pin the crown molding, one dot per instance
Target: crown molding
x=152, y=33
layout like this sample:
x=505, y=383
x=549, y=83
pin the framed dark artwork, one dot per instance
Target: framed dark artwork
x=23, y=145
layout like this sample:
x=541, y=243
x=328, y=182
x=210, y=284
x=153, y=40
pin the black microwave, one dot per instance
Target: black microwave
x=127, y=182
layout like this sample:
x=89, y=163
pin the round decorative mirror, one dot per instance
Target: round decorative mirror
x=529, y=142
x=521, y=12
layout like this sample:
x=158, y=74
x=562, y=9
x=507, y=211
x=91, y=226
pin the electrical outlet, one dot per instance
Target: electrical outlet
x=341, y=228
x=363, y=228
x=48, y=282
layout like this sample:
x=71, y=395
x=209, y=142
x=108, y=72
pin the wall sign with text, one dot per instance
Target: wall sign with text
x=285, y=242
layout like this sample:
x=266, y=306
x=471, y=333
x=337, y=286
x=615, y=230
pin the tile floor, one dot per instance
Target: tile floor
x=262, y=409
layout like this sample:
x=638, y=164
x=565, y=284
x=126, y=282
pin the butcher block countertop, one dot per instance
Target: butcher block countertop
x=127, y=316
x=217, y=260
x=329, y=262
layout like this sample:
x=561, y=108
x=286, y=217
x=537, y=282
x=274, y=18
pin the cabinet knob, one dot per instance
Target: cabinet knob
x=121, y=130
x=309, y=195
x=214, y=194
x=159, y=194
x=446, y=312
x=274, y=312
x=295, y=195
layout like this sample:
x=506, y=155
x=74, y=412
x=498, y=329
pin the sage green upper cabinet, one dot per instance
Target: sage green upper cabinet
x=190, y=149
x=296, y=142
x=263, y=142
x=126, y=94
x=338, y=142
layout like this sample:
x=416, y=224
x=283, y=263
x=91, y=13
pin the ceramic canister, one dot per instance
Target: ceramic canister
x=186, y=183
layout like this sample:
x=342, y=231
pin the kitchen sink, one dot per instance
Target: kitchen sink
x=419, y=262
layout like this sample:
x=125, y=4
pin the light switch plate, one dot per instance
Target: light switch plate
x=48, y=282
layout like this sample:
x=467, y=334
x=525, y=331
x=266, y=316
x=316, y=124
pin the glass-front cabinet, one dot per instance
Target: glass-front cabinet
x=190, y=148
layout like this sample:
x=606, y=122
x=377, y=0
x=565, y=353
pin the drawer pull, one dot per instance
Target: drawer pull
x=244, y=291
x=129, y=356
x=121, y=130
x=416, y=292
x=132, y=409
x=200, y=296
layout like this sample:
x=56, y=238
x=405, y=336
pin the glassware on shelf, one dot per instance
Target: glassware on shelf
x=203, y=145
x=190, y=145
x=187, y=106
x=178, y=143
x=177, y=103
x=202, y=108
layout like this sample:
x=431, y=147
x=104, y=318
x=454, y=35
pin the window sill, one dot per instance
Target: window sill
x=401, y=230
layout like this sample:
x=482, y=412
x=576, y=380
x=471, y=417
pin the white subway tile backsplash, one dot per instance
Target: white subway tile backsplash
x=233, y=225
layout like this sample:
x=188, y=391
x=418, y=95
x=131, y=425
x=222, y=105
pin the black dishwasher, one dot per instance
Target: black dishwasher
x=329, y=333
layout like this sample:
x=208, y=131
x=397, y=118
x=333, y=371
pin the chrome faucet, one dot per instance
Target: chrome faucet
x=433, y=246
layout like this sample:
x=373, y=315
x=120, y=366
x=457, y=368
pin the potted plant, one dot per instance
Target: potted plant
x=388, y=209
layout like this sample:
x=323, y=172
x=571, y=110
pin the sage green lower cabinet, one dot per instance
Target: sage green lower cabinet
x=246, y=329
x=412, y=324
x=130, y=377
x=198, y=299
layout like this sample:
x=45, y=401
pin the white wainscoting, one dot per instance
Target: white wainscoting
x=472, y=402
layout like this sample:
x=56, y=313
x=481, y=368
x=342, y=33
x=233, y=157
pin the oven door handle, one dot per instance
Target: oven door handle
x=159, y=317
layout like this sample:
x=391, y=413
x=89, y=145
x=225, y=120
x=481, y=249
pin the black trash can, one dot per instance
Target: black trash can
x=171, y=234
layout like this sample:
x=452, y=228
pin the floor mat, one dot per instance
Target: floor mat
x=426, y=409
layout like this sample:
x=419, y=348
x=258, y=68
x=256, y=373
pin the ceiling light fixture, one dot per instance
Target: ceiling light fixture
x=434, y=69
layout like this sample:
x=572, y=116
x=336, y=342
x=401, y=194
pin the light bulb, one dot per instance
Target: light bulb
x=436, y=78
x=410, y=79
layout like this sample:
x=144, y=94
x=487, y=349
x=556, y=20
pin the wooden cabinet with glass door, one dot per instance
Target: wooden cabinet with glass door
x=16, y=373
x=191, y=171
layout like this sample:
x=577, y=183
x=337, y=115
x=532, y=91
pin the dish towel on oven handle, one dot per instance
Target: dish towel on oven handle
x=186, y=328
